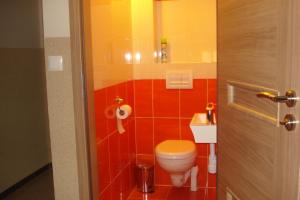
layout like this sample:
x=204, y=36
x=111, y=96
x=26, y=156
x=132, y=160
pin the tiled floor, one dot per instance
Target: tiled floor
x=171, y=193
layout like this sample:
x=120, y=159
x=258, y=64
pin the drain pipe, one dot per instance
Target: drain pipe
x=194, y=176
x=212, y=163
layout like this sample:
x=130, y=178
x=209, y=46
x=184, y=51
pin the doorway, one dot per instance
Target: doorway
x=247, y=40
x=25, y=170
x=122, y=48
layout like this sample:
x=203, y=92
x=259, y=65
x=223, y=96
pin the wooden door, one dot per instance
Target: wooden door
x=258, y=50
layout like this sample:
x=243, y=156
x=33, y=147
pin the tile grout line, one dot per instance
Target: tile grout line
x=115, y=178
x=179, y=118
x=109, y=155
x=207, y=149
x=180, y=128
x=165, y=117
x=152, y=113
x=111, y=179
x=135, y=132
x=207, y=91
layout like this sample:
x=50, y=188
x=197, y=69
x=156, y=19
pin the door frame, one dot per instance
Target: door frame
x=288, y=183
x=83, y=94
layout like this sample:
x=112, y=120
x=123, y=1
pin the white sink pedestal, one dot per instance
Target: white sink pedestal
x=205, y=132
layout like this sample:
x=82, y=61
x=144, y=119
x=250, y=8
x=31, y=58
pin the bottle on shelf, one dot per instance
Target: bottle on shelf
x=164, y=50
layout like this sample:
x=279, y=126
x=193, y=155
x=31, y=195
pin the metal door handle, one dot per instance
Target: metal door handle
x=289, y=122
x=290, y=97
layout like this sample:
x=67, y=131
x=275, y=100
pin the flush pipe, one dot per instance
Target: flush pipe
x=212, y=159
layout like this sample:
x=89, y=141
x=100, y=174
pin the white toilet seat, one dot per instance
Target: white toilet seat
x=178, y=157
x=176, y=149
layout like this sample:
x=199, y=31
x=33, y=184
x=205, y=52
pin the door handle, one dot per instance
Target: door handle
x=290, y=97
x=289, y=122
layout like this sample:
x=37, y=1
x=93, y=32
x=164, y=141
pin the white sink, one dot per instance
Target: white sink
x=203, y=131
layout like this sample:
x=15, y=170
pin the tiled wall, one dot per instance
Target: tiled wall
x=159, y=114
x=116, y=152
x=165, y=114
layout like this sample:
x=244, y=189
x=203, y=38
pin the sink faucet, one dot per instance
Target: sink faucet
x=210, y=113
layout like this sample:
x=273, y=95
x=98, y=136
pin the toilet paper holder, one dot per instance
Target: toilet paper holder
x=119, y=100
x=122, y=112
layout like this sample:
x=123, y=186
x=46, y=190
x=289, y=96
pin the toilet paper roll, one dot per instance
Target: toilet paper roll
x=123, y=112
x=120, y=126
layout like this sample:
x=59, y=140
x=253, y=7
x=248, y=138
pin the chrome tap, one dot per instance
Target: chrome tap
x=210, y=113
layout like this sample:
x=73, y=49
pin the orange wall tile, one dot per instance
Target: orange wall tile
x=116, y=152
x=144, y=140
x=172, y=111
x=143, y=98
x=195, y=100
x=151, y=123
x=165, y=102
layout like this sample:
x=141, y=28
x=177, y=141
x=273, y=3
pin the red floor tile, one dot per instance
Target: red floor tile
x=170, y=193
x=161, y=193
x=185, y=194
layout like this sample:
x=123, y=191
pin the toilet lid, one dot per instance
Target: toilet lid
x=176, y=148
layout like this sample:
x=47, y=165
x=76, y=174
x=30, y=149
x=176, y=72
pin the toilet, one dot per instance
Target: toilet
x=178, y=158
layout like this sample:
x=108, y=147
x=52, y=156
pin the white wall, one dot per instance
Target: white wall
x=24, y=131
x=60, y=101
x=21, y=24
x=56, y=18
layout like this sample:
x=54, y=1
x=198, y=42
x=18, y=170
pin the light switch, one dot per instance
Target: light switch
x=55, y=63
x=179, y=79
